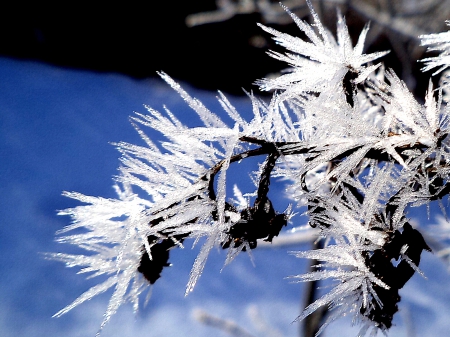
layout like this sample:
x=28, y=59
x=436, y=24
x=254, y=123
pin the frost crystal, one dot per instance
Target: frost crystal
x=437, y=42
x=355, y=147
x=321, y=63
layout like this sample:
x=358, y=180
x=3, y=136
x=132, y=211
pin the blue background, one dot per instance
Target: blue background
x=56, y=126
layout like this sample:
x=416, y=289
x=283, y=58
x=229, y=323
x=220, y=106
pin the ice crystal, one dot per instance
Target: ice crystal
x=115, y=233
x=321, y=63
x=353, y=144
x=437, y=42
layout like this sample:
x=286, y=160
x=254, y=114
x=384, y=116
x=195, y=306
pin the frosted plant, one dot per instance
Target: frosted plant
x=354, y=146
x=114, y=236
x=437, y=42
x=321, y=63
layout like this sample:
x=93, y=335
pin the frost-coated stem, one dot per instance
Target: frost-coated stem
x=355, y=148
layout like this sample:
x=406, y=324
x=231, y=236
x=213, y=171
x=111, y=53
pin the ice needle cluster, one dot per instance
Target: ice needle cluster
x=355, y=146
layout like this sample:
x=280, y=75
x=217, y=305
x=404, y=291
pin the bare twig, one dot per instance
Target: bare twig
x=291, y=239
x=230, y=327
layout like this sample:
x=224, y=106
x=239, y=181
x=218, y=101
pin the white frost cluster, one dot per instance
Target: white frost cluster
x=321, y=63
x=355, y=146
x=113, y=234
x=441, y=43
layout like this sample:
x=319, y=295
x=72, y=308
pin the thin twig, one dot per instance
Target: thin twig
x=228, y=326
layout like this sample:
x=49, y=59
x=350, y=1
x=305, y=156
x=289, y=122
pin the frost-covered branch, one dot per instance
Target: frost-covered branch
x=353, y=145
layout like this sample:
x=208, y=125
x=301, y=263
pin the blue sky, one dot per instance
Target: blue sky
x=56, y=126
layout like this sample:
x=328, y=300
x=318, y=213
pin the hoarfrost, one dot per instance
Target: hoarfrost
x=348, y=138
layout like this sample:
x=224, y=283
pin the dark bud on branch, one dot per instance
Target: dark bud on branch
x=257, y=222
x=159, y=250
x=260, y=221
x=408, y=244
